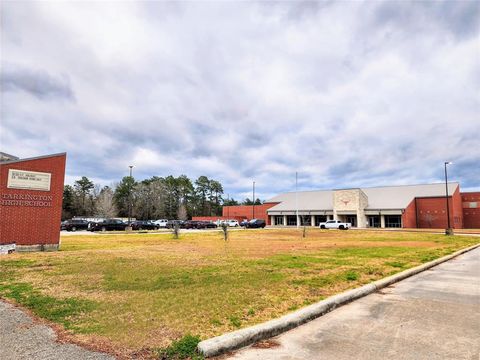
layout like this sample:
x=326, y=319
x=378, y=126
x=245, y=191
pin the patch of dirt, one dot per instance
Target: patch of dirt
x=266, y=344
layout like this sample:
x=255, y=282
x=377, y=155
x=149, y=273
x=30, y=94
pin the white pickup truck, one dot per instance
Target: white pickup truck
x=7, y=249
x=335, y=224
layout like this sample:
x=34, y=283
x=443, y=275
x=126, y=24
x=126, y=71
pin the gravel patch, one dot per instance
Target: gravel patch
x=22, y=338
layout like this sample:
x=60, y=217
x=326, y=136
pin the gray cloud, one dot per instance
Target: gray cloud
x=38, y=83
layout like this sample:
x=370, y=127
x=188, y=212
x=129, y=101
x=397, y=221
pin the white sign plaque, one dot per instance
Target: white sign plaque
x=28, y=180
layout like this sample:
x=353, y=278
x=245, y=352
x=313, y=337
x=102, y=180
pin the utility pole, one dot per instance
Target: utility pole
x=253, y=210
x=130, y=198
x=449, y=230
x=296, y=198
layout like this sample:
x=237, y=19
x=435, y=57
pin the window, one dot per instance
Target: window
x=291, y=220
x=278, y=219
x=393, y=221
x=305, y=220
x=319, y=219
x=374, y=221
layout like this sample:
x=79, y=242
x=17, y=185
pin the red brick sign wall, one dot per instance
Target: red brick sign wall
x=31, y=218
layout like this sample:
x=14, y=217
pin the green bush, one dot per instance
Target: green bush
x=185, y=348
x=351, y=276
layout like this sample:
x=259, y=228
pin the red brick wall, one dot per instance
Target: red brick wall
x=246, y=211
x=32, y=225
x=215, y=218
x=409, y=217
x=471, y=212
x=457, y=215
x=432, y=213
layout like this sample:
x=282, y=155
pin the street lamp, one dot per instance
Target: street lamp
x=449, y=230
x=130, y=197
x=253, y=210
x=228, y=206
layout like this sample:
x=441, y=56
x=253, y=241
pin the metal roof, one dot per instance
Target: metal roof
x=385, y=197
x=6, y=162
x=7, y=157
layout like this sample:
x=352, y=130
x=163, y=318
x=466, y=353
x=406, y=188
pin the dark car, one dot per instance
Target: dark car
x=74, y=225
x=206, y=225
x=144, y=225
x=171, y=224
x=244, y=223
x=63, y=224
x=190, y=224
x=255, y=224
x=108, y=225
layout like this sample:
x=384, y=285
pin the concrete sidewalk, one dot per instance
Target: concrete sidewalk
x=432, y=315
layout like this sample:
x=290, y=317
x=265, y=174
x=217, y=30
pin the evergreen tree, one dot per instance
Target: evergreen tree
x=123, y=191
x=83, y=188
x=68, y=204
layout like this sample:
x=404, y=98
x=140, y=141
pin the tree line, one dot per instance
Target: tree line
x=153, y=198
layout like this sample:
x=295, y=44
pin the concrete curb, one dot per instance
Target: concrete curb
x=240, y=338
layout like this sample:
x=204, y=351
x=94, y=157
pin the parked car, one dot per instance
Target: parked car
x=161, y=223
x=335, y=224
x=232, y=223
x=75, y=224
x=206, y=225
x=144, y=225
x=63, y=224
x=171, y=224
x=244, y=223
x=190, y=224
x=255, y=224
x=108, y=225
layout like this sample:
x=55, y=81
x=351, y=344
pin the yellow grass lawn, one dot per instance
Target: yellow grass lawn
x=142, y=291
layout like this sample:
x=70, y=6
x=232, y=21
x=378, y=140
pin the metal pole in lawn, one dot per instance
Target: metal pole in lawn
x=253, y=210
x=130, y=198
x=449, y=230
x=296, y=199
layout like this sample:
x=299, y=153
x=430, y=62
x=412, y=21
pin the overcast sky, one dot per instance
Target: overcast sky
x=348, y=94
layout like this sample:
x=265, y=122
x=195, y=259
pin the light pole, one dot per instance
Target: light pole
x=130, y=197
x=296, y=199
x=449, y=230
x=253, y=210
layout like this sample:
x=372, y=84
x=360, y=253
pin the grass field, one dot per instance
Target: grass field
x=134, y=293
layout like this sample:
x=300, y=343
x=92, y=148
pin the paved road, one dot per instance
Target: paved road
x=433, y=315
x=21, y=338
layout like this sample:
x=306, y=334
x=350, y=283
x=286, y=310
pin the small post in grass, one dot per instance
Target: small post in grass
x=304, y=232
x=225, y=230
x=176, y=230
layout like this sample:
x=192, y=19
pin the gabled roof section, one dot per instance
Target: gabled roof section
x=32, y=158
x=7, y=157
x=398, y=197
x=385, y=197
x=307, y=200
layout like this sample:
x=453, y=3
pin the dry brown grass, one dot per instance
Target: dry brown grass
x=146, y=290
